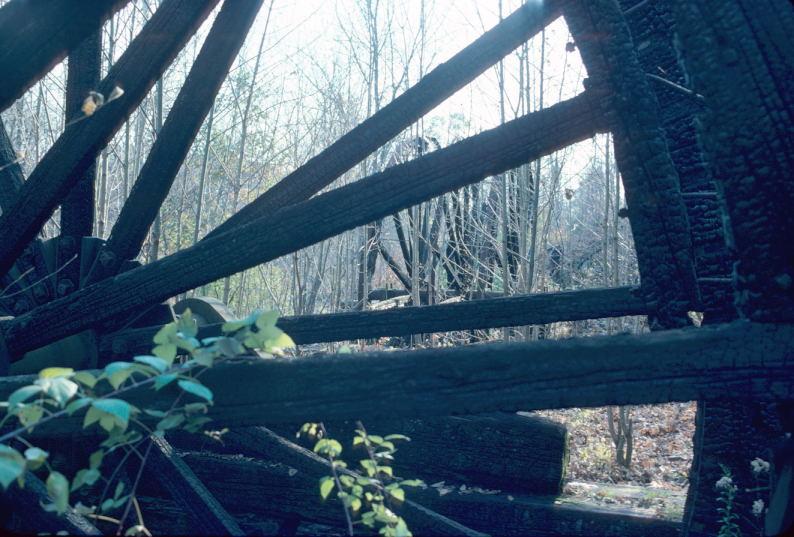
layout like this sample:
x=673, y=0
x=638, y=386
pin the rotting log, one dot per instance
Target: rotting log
x=176, y=136
x=517, y=310
x=135, y=72
x=388, y=122
x=205, y=513
x=297, y=226
x=739, y=360
x=510, y=452
x=34, y=36
x=656, y=209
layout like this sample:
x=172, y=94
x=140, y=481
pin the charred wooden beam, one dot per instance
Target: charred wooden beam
x=136, y=71
x=517, y=310
x=431, y=90
x=656, y=209
x=34, y=36
x=250, y=480
x=29, y=290
x=175, y=138
x=206, y=514
x=740, y=360
x=515, y=453
x=739, y=57
x=77, y=210
x=297, y=226
x=25, y=515
x=300, y=466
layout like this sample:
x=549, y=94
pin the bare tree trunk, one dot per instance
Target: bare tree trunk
x=154, y=244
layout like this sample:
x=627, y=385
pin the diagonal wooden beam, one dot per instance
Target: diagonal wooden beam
x=656, y=209
x=176, y=136
x=740, y=361
x=516, y=310
x=34, y=36
x=431, y=90
x=301, y=225
x=206, y=514
x=135, y=72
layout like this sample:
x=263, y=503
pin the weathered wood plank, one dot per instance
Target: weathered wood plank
x=740, y=360
x=656, y=210
x=517, y=310
x=36, y=35
x=144, y=60
x=297, y=226
x=431, y=90
x=176, y=136
x=206, y=514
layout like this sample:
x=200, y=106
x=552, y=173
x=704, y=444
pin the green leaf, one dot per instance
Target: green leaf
x=166, y=351
x=86, y=476
x=12, y=465
x=58, y=489
x=169, y=422
x=119, y=490
x=195, y=423
x=346, y=480
x=370, y=466
x=386, y=470
x=396, y=437
x=155, y=413
x=233, y=326
x=92, y=416
x=166, y=334
x=398, y=494
x=164, y=380
x=85, y=378
x=204, y=357
x=53, y=372
x=22, y=394
x=62, y=389
x=29, y=415
x=35, y=457
x=412, y=483
x=355, y=504
x=326, y=486
x=157, y=363
x=117, y=408
x=95, y=460
x=199, y=390
x=328, y=447
x=77, y=404
x=118, y=372
x=187, y=324
x=230, y=347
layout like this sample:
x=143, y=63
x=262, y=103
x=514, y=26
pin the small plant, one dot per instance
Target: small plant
x=372, y=496
x=178, y=359
x=728, y=517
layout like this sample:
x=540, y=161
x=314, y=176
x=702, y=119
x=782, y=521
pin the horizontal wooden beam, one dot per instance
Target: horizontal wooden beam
x=135, y=72
x=297, y=226
x=430, y=91
x=517, y=310
x=740, y=360
x=34, y=36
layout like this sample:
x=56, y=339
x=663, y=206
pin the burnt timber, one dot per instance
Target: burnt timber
x=705, y=157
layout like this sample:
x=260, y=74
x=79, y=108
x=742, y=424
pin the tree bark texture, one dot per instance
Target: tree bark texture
x=35, y=36
x=298, y=226
x=61, y=167
x=656, y=209
x=741, y=360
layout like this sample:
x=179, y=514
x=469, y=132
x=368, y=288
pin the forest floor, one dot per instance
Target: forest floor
x=656, y=482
